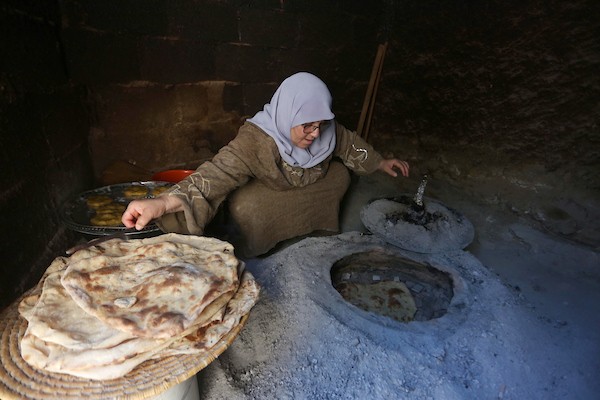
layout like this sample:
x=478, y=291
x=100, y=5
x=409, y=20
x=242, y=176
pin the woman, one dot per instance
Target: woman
x=282, y=174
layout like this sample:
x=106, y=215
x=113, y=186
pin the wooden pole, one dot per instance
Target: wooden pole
x=367, y=109
x=374, y=95
x=368, y=95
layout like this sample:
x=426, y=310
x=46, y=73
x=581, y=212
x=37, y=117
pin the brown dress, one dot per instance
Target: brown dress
x=268, y=200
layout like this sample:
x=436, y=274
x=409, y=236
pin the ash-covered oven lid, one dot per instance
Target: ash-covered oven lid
x=430, y=227
x=98, y=212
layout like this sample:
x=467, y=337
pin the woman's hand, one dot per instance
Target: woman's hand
x=388, y=166
x=140, y=212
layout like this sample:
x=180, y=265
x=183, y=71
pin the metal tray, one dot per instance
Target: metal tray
x=77, y=214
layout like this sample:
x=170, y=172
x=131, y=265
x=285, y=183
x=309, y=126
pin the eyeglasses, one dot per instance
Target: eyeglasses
x=308, y=128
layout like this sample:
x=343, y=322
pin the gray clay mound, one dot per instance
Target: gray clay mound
x=437, y=228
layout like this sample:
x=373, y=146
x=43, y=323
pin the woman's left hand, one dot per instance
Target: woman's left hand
x=388, y=166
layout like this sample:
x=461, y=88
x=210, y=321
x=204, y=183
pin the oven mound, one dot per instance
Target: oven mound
x=393, y=286
x=434, y=229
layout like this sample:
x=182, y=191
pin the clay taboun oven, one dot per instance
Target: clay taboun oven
x=395, y=286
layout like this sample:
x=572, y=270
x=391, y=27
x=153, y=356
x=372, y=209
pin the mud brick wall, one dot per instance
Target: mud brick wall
x=44, y=158
x=170, y=82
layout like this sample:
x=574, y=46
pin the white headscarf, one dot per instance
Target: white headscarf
x=300, y=99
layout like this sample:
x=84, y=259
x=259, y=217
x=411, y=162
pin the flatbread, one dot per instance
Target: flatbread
x=96, y=364
x=74, y=341
x=58, y=319
x=64, y=337
x=389, y=298
x=206, y=336
x=155, y=288
x=117, y=361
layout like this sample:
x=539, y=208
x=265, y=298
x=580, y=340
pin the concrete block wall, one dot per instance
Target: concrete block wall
x=44, y=157
x=170, y=82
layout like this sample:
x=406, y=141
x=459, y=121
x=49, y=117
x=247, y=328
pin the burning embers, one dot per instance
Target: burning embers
x=414, y=214
x=392, y=286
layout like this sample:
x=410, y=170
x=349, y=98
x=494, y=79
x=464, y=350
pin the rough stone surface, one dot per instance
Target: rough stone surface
x=157, y=129
x=31, y=57
x=208, y=21
x=44, y=155
x=508, y=86
x=99, y=58
x=136, y=17
x=253, y=45
x=176, y=61
x=266, y=28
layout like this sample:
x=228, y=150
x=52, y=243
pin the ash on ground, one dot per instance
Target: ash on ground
x=304, y=341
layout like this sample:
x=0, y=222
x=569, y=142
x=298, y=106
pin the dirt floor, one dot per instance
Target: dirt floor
x=523, y=324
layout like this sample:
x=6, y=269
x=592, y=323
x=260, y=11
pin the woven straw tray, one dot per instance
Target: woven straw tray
x=18, y=380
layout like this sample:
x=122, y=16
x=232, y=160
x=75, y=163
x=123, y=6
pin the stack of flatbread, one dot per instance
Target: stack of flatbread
x=105, y=310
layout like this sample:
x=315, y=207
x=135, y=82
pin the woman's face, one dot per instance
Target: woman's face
x=303, y=135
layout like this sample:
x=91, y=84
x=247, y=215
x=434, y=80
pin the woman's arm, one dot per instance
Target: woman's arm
x=193, y=202
x=354, y=152
x=361, y=157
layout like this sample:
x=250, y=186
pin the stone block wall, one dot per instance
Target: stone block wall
x=170, y=82
x=44, y=155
